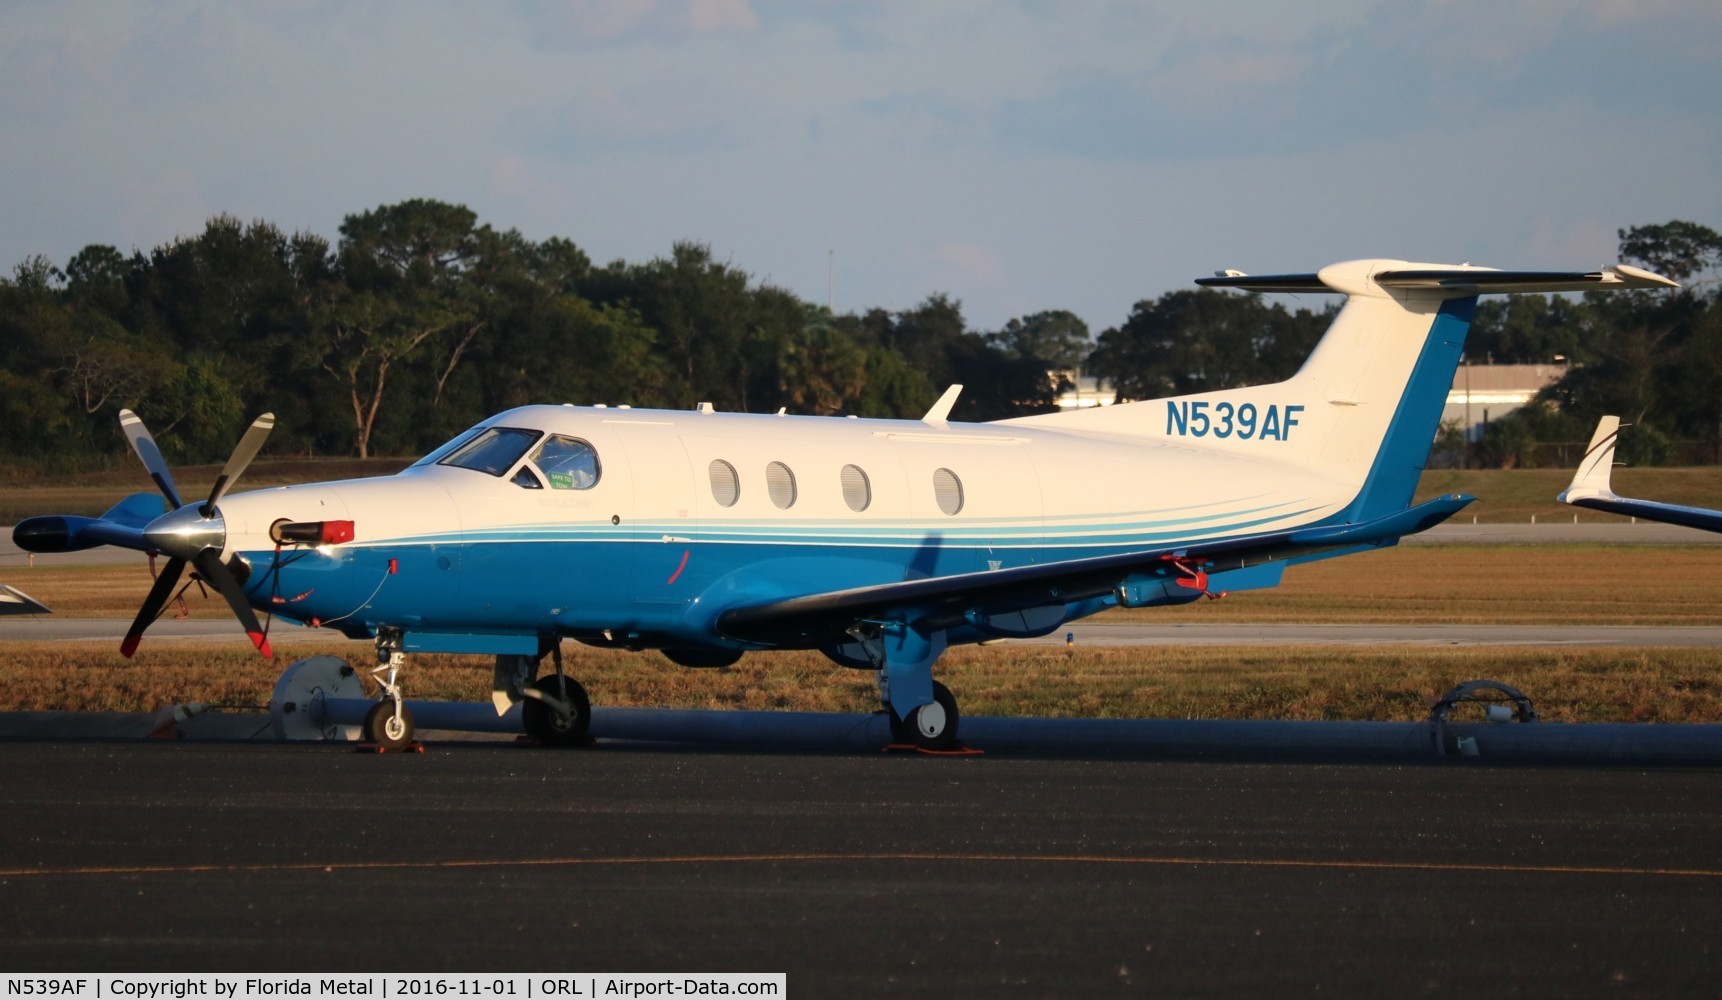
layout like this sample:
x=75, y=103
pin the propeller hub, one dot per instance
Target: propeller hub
x=183, y=533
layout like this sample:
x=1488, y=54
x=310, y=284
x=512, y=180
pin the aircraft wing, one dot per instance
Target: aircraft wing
x=949, y=601
x=15, y=602
x=1591, y=487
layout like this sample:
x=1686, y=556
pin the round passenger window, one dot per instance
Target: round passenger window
x=726, y=487
x=948, y=491
x=780, y=485
x=857, y=491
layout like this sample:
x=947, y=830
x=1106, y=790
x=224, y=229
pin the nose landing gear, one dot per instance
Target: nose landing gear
x=389, y=723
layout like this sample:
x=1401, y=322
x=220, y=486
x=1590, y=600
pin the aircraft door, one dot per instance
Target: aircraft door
x=661, y=526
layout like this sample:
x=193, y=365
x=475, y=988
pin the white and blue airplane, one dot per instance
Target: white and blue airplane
x=1591, y=487
x=879, y=542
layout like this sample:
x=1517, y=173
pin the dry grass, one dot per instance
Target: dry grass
x=1569, y=685
x=1483, y=584
x=103, y=591
x=1512, y=496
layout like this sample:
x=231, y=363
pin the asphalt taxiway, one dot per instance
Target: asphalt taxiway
x=1014, y=873
x=863, y=874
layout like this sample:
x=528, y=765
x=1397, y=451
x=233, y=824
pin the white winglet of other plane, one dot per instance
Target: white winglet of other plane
x=1590, y=487
x=15, y=602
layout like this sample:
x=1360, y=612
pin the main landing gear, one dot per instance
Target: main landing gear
x=922, y=711
x=554, y=708
x=930, y=727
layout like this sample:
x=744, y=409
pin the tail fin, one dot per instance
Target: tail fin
x=1364, y=408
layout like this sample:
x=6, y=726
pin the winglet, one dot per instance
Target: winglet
x=941, y=410
x=1591, y=481
x=15, y=602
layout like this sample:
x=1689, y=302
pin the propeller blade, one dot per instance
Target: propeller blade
x=243, y=453
x=152, y=605
x=211, y=568
x=144, y=445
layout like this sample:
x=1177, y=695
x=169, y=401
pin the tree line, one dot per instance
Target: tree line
x=419, y=321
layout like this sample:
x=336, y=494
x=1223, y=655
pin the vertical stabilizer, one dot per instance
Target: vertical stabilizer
x=1364, y=409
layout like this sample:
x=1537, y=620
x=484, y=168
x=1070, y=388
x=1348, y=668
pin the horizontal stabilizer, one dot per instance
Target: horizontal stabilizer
x=1462, y=280
x=1485, y=280
x=1267, y=282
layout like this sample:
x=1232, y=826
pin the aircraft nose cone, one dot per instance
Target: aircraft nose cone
x=185, y=532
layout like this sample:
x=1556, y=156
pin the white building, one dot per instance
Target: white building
x=1482, y=393
x=1087, y=391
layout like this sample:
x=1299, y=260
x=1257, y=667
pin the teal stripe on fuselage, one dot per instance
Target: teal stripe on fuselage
x=893, y=533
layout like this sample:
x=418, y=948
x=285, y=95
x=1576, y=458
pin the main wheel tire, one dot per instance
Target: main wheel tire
x=900, y=731
x=550, y=726
x=934, y=727
x=387, y=731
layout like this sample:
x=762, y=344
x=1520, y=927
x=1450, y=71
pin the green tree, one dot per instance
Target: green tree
x=1528, y=329
x=406, y=282
x=821, y=370
x=1198, y=341
x=1057, y=339
x=1674, y=249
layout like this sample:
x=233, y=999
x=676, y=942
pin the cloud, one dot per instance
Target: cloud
x=970, y=261
x=167, y=202
x=706, y=16
x=580, y=23
x=1022, y=154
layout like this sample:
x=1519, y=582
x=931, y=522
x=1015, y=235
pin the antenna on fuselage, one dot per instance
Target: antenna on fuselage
x=941, y=410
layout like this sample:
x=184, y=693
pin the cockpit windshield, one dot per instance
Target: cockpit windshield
x=437, y=454
x=494, y=450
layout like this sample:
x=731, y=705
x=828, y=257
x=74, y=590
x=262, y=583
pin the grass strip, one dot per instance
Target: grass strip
x=1252, y=682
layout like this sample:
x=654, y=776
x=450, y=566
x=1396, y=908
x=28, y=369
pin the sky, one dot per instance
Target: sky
x=1016, y=155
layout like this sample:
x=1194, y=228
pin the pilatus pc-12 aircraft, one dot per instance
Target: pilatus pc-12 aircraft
x=1591, y=487
x=879, y=542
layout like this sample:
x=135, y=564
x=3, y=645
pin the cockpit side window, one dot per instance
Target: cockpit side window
x=494, y=451
x=567, y=463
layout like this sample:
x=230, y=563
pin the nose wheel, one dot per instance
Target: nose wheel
x=389, y=724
